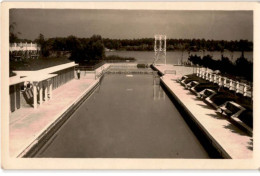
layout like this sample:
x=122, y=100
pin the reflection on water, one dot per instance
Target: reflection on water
x=158, y=92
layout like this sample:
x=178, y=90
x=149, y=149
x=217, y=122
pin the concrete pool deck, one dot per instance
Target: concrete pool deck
x=26, y=124
x=226, y=137
x=180, y=70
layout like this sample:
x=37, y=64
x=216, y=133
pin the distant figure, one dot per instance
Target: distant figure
x=78, y=73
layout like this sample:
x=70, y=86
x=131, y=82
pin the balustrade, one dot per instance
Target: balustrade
x=236, y=86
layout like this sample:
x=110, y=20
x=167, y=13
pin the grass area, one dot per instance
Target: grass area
x=37, y=64
x=224, y=95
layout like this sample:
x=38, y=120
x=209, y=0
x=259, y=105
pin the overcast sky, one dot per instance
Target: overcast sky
x=128, y=24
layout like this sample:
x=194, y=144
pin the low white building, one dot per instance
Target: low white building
x=18, y=51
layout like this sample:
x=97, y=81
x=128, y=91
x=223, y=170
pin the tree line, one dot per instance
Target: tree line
x=81, y=49
x=147, y=44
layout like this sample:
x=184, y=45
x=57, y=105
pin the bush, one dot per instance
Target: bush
x=84, y=51
x=142, y=65
x=196, y=60
x=242, y=67
x=226, y=65
x=118, y=58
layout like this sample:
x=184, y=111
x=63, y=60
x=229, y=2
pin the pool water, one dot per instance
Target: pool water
x=128, y=116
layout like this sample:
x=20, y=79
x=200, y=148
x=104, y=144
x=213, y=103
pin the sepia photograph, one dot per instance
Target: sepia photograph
x=139, y=84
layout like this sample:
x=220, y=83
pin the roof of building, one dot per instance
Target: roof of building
x=38, y=75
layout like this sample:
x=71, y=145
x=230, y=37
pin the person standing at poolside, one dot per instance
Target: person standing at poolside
x=78, y=73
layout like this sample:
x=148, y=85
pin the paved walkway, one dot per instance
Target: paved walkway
x=26, y=124
x=232, y=142
x=180, y=70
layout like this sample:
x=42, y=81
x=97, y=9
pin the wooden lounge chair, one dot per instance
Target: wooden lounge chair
x=231, y=109
x=181, y=79
x=206, y=93
x=191, y=84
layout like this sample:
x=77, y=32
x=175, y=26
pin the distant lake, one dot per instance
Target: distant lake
x=174, y=56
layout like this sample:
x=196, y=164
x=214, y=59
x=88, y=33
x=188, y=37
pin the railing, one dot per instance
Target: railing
x=130, y=71
x=118, y=61
x=89, y=68
x=114, y=64
x=123, y=66
x=222, y=81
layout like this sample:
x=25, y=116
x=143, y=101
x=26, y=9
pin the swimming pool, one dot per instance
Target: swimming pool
x=127, y=116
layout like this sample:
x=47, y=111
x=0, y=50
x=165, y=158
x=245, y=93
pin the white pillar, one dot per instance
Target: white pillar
x=207, y=74
x=245, y=90
x=35, y=95
x=220, y=81
x=237, y=87
x=230, y=84
x=225, y=82
x=46, y=90
x=50, y=90
x=40, y=92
